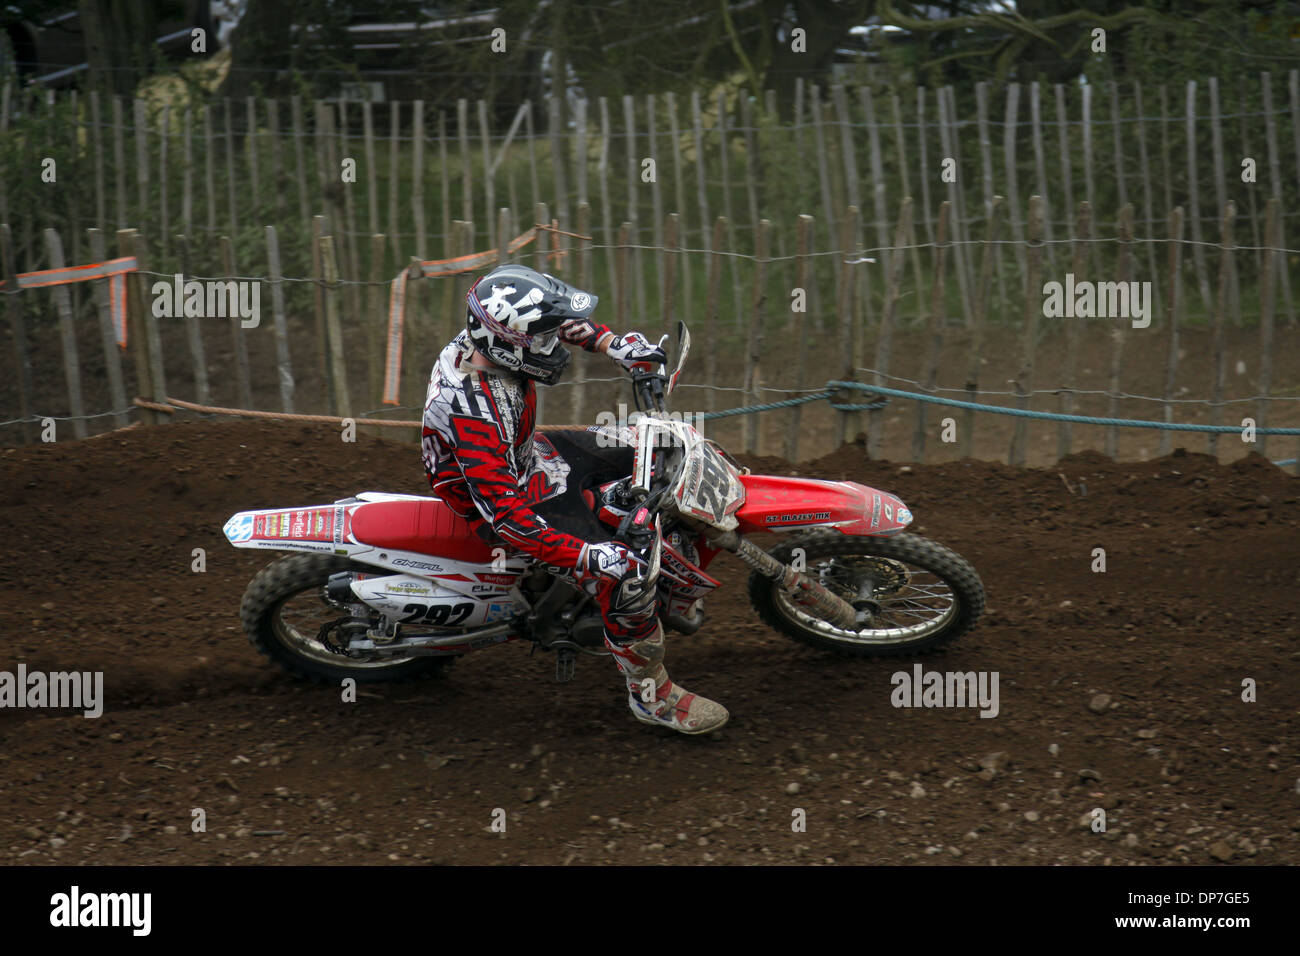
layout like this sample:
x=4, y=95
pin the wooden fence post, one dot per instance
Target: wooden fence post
x=1267, y=306
x=395, y=180
x=1275, y=176
x=68, y=335
x=376, y=323
x=141, y=124
x=1193, y=201
x=1033, y=308
x=455, y=247
x=417, y=178
x=1225, y=283
x=1124, y=273
x=193, y=331
x=342, y=400
x=273, y=127
x=299, y=150
x=620, y=273
x=242, y=374
x=466, y=173
x=209, y=178
x=18, y=329
x=148, y=345
x=805, y=231
x=1082, y=234
x=112, y=355
x=711, y=305
x=1172, y=310
x=847, y=421
x=977, y=329
x=97, y=147
x=754, y=351
x=668, y=271
x=949, y=145
x=583, y=271
x=231, y=191
x=896, y=260
x=1013, y=187
x=1147, y=209
x=318, y=229
x=119, y=161
x=284, y=369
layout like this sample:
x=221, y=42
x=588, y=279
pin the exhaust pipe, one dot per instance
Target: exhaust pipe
x=802, y=589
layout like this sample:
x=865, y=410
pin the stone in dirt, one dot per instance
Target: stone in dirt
x=1222, y=851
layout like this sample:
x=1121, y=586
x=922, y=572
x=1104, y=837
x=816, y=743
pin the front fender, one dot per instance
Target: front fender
x=776, y=503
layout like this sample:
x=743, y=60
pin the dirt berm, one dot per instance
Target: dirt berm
x=1120, y=690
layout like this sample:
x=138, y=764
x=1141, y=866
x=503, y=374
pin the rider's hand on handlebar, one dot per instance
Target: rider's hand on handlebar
x=635, y=352
x=608, y=559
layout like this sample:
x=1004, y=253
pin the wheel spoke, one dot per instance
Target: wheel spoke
x=916, y=601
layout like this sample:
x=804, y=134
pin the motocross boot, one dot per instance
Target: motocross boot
x=672, y=706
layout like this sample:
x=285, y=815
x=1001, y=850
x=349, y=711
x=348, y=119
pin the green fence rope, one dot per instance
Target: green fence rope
x=832, y=387
x=1046, y=416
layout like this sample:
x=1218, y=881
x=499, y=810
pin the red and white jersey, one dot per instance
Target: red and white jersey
x=481, y=454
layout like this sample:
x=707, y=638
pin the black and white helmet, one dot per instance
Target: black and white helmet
x=514, y=316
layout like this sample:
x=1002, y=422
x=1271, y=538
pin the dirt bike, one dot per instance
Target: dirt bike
x=386, y=587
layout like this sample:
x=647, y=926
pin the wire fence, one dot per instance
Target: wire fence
x=872, y=232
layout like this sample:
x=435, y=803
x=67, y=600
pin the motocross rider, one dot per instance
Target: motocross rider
x=484, y=459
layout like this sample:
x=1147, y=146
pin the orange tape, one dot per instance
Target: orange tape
x=114, y=270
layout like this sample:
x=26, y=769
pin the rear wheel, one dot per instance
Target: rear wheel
x=284, y=609
x=918, y=594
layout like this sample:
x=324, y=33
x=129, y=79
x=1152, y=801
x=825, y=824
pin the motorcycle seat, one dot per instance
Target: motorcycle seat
x=424, y=526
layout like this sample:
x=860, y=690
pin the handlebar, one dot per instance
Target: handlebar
x=648, y=390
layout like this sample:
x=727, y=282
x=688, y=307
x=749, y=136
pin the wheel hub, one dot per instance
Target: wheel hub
x=878, y=576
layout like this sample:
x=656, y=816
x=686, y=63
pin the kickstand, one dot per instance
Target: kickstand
x=565, y=663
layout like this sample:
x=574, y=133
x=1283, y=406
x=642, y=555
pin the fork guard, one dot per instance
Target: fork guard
x=802, y=589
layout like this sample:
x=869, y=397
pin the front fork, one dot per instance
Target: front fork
x=803, y=590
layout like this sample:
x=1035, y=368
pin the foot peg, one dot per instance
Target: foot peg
x=565, y=663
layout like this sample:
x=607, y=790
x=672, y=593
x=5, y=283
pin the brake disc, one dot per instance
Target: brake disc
x=887, y=575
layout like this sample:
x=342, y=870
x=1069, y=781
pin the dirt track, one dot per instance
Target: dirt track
x=1200, y=593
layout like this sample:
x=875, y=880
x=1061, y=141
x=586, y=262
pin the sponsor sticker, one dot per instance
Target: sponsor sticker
x=409, y=587
x=239, y=528
x=875, y=511
x=807, y=516
x=498, y=612
x=284, y=525
x=421, y=565
x=259, y=528
x=338, y=525
x=505, y=580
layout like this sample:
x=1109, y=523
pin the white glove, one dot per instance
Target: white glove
x=607, y=559
x=634, y=351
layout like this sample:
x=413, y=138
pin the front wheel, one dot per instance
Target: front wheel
x=915, y=594
x=284, y=609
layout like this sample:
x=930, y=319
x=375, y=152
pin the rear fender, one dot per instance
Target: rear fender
x=328, y=529
x=776, y=503
x=315, y=528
